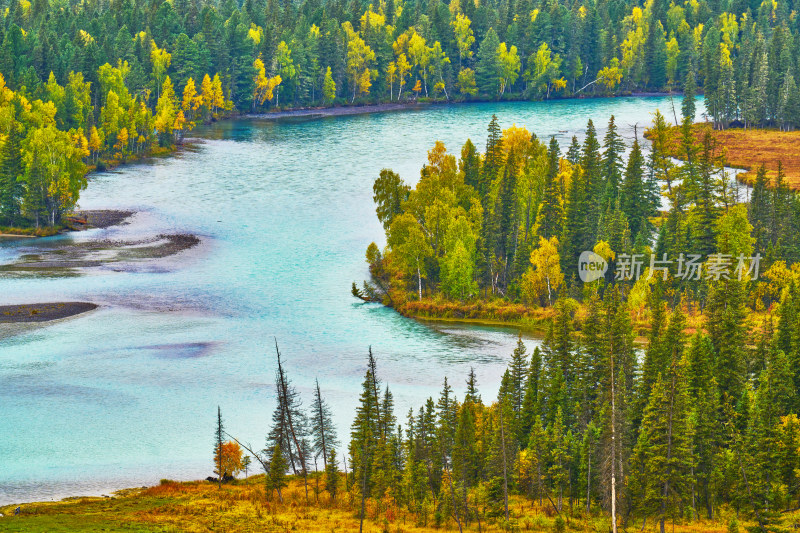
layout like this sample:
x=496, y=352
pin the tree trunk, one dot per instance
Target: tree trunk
x=505, y=469
x=419, y=282
x=613, y=446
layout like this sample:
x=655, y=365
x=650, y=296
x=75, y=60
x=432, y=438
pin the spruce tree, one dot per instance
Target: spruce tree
x=472, y=394
x=470, y=166
x=323, y=431
x=635, y=201
x=573, y=240
x=550, y=211
x=276, y=477
x=11, y=178
x=219, y=439
x=760, y=209
x=365, y=431
x=505, y=225
x=594, y=187
x=332, y=480
x=518, y=367
x=613, y=149
x=704, y=395
x=574, y=151
x=663, y=454
x=487, y=68
x=531, y=400
x=688, y=106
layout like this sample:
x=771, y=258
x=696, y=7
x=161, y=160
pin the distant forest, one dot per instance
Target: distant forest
x=95, y=83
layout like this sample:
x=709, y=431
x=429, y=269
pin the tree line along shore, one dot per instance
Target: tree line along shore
x=95, y=84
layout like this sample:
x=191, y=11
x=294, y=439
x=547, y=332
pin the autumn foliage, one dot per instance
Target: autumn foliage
x=231, y=460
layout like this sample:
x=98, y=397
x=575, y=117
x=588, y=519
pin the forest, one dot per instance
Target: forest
x=691, y=428
x=90, y=84
x=511, y=224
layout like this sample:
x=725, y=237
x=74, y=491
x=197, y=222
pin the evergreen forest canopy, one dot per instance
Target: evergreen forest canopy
x=704, y=420
x=96, y=83
x=586, y=428
x=510, y=224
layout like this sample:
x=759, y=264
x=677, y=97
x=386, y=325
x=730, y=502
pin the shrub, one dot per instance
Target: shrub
x=559, y=525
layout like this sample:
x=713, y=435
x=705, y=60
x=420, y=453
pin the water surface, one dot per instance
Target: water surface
x=127, y=394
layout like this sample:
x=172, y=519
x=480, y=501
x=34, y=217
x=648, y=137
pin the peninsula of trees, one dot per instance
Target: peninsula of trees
x=507, y=227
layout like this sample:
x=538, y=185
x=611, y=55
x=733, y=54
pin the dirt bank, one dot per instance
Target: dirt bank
x=42, y=312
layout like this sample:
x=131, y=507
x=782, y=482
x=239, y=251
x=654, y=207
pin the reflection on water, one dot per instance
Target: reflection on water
x=128, y=394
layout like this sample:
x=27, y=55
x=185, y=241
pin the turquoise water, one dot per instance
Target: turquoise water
x=127, y=394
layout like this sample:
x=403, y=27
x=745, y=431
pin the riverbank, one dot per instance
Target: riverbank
x=64, y=258
x=42, y=312
x=319, y=112
x=363, y=109
x=240, y=506
x=67, y=257
x=749, y=149
x=77, y=221
x=244, y=506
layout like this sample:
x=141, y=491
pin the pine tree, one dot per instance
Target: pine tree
x=322, y=428
x=726, y=327
x=613, y=149
x=704, y=396
x=487, y=68
x=760, y=209
x=11, y=182
x=492, y=160
x=332, y=480
x=558, y=351
x=276, y=478
x=531, y=399
x=702, y=191
x=365, y=431
x=447, y=419
x=505, y=224
x=635, y=201
x=688, y=106
x=574, y=151
x=289, y=424
x=219, y=439
x=470, y=166
x=573, y=240
x=559, y=440
x=667, y=345
x=663, y=455
x=518, y=370
x=472, y=395
x=595, y=186
x=550, y=210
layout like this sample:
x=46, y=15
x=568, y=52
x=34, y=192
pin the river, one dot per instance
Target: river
x=127, y=394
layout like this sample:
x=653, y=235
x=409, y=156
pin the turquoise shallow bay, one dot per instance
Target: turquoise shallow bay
x=127, y=394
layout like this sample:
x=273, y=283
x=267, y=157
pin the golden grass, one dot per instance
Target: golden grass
x=244, y=506
x=749, y=149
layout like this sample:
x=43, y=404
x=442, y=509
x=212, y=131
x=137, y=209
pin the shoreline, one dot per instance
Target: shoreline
x=43, y=312
x=363, y=109
x=75, y=221
x=68, y=258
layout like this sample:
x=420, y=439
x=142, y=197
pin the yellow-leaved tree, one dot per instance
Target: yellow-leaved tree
x=166, y=111
x=54, y=170
x=264, y=87
x=544, y=277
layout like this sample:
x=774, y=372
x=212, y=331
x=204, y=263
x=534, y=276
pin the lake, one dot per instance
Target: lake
x=127, y=394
